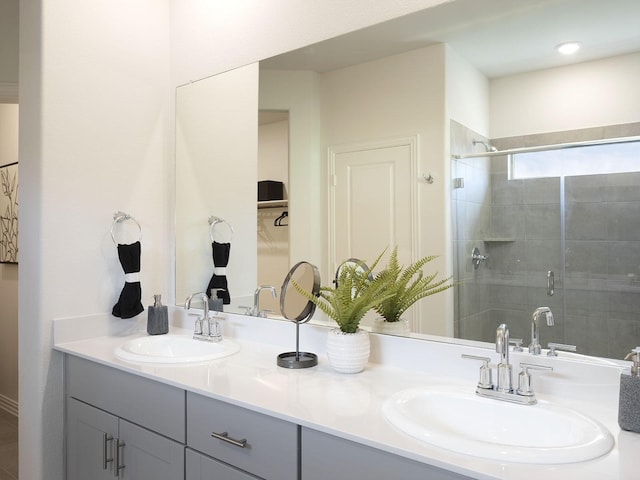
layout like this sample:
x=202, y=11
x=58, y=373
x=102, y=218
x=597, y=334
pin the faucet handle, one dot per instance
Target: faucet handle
x=485, y=380
x=524, y=378
x=559, y=346
x=197, y=330
x=517, y=344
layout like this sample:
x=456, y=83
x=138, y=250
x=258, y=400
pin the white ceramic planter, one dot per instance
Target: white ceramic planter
x=348, y=352
x=401, y=327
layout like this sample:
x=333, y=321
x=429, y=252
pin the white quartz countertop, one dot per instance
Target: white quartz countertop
x=350, y=406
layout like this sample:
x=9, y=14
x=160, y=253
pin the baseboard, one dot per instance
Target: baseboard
x=8, y=405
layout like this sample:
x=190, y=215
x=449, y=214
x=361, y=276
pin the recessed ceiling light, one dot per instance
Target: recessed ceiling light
x=568, y=48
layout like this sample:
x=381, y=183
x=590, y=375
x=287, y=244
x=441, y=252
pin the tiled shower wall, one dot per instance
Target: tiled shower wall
x=518, y=224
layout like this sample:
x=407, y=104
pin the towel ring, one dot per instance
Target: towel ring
x=213, y=221
x=123, y=217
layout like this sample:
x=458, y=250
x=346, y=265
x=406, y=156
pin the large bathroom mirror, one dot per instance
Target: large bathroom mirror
x=385, y=108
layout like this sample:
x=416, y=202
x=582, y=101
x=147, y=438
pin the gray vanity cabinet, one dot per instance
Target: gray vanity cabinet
x=115, y=418
x=105, y=409
x=326, y=456
x=253, y=442
x=94, y=436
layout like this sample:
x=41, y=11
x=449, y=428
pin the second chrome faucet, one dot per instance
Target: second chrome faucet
x=534, y=346
x=206, y=328
x=256, y=311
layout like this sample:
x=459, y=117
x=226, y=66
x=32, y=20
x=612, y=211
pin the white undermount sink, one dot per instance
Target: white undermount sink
x=457, y=419
x=174, y=349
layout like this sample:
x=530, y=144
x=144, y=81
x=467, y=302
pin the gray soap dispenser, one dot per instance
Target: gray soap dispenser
x=629, y=407
x=158, y=317
x=216, y=304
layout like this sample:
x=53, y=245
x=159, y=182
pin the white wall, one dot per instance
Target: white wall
x=273, y=152
x=567, y=98
x=211, y=37
x=467, y=94
x=96, y=130
x=95, y=127
x=8, y=277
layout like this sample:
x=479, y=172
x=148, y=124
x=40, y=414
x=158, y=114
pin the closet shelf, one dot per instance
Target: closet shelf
x=273, y=204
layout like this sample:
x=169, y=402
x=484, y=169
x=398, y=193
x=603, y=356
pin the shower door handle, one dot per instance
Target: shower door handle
x=550, y=283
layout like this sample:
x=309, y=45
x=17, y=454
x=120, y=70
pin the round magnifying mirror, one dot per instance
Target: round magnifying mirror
x=293, y=305
x=299, y=309
x=352, y=263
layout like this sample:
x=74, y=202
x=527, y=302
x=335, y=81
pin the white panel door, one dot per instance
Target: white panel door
x=373, y=201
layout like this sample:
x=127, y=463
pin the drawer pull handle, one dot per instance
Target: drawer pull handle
x=224, y=436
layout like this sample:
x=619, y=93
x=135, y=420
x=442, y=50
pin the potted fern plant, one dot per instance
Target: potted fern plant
x=354, y=294
x=404, y=286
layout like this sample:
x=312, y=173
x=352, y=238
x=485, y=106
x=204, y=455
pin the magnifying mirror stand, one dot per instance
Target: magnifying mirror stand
x=295, y=307
x=297, y=359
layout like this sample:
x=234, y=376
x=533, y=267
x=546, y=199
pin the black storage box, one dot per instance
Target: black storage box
x=270, y=190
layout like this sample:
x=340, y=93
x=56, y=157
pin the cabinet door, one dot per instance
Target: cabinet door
x=327, y=457
x=90, y=437
x=144, y=455
x=200, y=467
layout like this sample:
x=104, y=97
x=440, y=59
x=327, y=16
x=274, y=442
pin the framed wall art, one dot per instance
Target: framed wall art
x=9, y=213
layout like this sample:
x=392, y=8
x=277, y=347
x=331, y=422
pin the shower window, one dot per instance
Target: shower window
x=587, y=160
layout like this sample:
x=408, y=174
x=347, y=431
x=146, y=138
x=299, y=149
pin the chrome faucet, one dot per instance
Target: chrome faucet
x=206, y=328
x=534, y=346
x=504, y=367
x=255, y=311
x=503, y=389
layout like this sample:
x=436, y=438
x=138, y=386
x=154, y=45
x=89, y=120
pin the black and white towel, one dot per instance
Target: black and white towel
x=129, y=304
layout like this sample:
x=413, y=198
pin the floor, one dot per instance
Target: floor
x=8, y=446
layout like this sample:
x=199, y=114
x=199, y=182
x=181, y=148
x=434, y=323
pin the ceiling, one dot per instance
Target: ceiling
x=499, y=37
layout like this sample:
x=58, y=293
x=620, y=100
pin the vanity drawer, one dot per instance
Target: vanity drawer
x=271, y=448
x=200, y=467
x=157, y=406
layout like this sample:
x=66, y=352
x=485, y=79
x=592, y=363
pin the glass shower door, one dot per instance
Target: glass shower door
x=517, y=225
